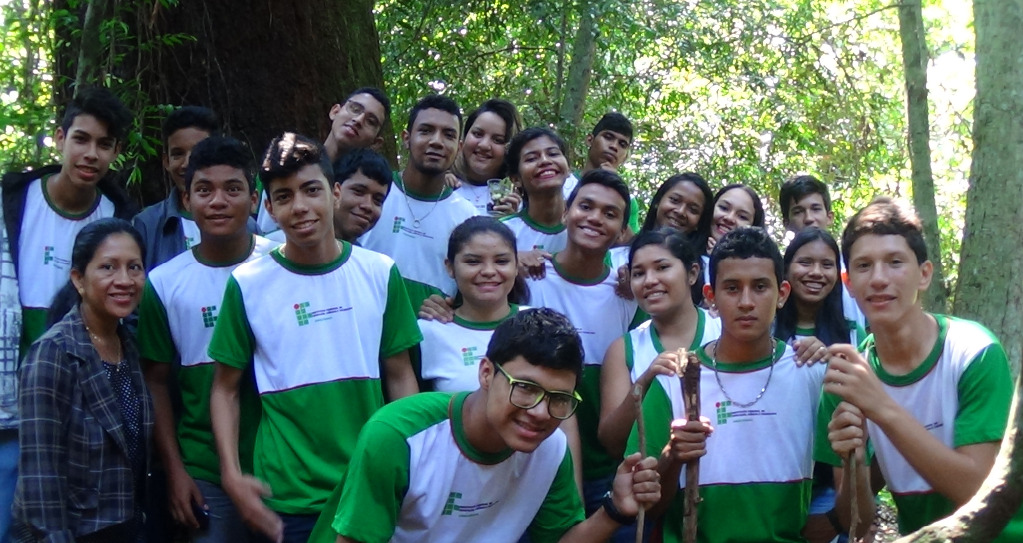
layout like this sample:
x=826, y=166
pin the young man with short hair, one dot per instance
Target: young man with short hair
x=421, y=210
x=283, y=315
x=931, y=392
x=805, y=202
x=44, y=209
x=355, y=123
x=176, y=319
x=491, y=464
x=757, y=456
x=167, y=226
x=608, y=145
x=578, y=283
x=364, y=178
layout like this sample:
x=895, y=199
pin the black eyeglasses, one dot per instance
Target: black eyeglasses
x=357, y=109
x=527, y=395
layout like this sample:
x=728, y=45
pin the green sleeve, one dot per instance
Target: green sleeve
x=638, y=318
x=657, y=417
x=401, y=328
x=634, y=215
x=375, y=485
x=232, y=342
x=562, y=508
x=154, y=335
x=985, y=392
x=822, y=451
x=629, y=360
x=417, y=293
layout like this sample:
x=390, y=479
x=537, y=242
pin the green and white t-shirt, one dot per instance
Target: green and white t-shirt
x=856, y=334
x=477, y=195
x=315, y=336
x=44, y=253
x=190, y=230
x=451, y=352
x=643, y=345
x=759, y=462
x=600, y=317
x=413, y=230
x=530, y=235
x=961, y=394
x=433, y=485
x=179, y=308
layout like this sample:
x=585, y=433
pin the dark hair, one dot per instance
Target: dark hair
x=758, y=206
x=102, y=104
x=512, y=126
x=542, y=336
x=746, y=242
x=830, y=323
x=679, y=245
x=289, y=153
x=608, y=179
x=615, y=122
x=800, y=187
x=367, y=161
x=703, y=226
x=87, y=241
x=377, y=95
x=885, y=217
x=202, y=118
x=434, y=101
x=220, y=151
x=513, y=157
x=482, y=224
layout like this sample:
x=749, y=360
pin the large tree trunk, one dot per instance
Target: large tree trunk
x=914, y=58
x=264, y=67
x=990, y=288
x=580, y=67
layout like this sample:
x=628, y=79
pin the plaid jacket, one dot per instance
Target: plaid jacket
x=75, y=476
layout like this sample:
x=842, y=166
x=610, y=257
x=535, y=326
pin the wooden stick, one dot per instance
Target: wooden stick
x=637, y=396
x=690, y=378
x=851, y=466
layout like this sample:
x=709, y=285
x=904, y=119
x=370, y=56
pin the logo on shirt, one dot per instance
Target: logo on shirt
x=49, y=256
x=452, y=508
x=469, y=356
x=209, y=316
x=724, y=414
x=540, y=247
x=397, y=224
x=304, y=315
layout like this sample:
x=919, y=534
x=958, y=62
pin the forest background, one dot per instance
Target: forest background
x=921, y=100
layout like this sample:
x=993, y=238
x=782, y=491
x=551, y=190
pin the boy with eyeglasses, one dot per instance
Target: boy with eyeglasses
x=490, y=464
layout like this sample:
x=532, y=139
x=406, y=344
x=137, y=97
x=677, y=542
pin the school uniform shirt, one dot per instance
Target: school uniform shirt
x=961, y=394
x=756, y=476
x=434, y=485
x=643, y=344
x=477, y=195
x=530, y=235
x=314, y=336
x=600, y=317
x=413, y=230
x=45, y=247
x=856, y=334
x=451, y=352
x=180, y=306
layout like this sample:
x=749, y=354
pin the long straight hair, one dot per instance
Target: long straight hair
x=830, y=324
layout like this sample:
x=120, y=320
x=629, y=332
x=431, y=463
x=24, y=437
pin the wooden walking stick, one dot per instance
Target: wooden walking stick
x=637, y=396
x=855, y=508
x=690, y=381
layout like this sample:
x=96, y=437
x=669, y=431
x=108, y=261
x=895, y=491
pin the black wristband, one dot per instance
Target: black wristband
x=609, y=507
x=836, y=524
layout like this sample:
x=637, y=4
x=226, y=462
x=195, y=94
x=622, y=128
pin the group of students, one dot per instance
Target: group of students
x=286, y=390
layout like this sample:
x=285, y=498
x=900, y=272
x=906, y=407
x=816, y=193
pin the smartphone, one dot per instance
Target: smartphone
x=202, y=516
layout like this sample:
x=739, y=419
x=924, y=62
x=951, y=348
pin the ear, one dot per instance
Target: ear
x=784, y=289
x=694, y=273
x=186, y=199
x=58, y=138
x=404, y=138
x=77, y=280
x=166, y=162
x=926, y=274
x=254, y=200
x=268, y=204
x=449, y=268
x=708, y=293
x=334, y=110
x=378, y=144
x=831, y=218
x=336, y=191
x=589, y=140
x=486, y=373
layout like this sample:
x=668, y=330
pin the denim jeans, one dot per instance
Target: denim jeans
x=225, y=522
x=8, y=478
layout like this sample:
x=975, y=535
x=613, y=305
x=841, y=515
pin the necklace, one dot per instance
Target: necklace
x=418, y=221
x=100, y=342
x=717, y=377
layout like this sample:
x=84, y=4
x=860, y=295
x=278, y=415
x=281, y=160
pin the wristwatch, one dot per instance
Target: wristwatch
x=609, y=507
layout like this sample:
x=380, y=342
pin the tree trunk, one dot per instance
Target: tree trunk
x=265, y=67
x=90, y=50
x=914, y=58
x=990, y=288
x=584, y=50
